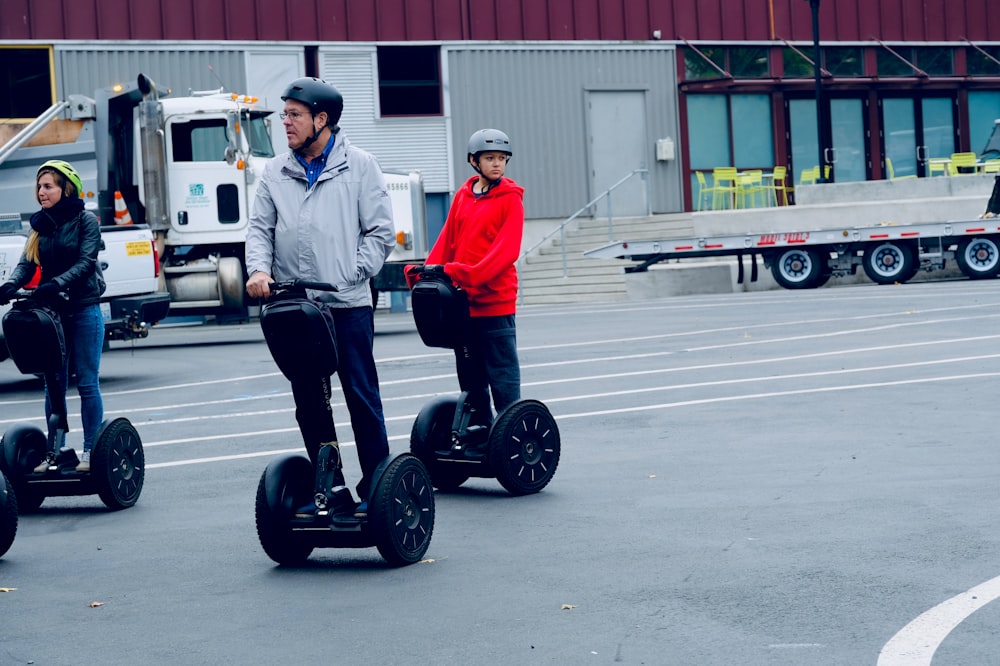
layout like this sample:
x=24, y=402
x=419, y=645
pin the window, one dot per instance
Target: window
x=844, y=60
x=980, y=64
x=890, y=65
x=795, y=64
x=199, y=141
x=259, y=135
x=409, y=80
x=935, y=60
x=750, y=62
x=26, y=73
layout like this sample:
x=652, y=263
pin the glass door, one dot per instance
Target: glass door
x=918, y=135
x=848, y=151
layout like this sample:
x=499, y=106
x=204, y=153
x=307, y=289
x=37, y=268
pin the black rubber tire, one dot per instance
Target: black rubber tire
x=432, y=433
x=890, y=263
x=274, y=514
x=979, y=258
x=8, y=515
x=524, y=447
x=401, y=511
x=118, y=465
x=799, y=268
x=22, y=448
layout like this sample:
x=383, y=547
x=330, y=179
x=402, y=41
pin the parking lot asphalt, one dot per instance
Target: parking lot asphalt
x=756, y=478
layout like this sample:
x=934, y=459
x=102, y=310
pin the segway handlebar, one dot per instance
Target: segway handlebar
x=25, y=294
x=301, y=284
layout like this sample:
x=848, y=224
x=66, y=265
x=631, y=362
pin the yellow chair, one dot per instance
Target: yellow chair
x=809, y=176
x=749, y=185
x=959, y=161
x=778, y=176
x=724, y=187
x=937, y=166
x=704, y=189
x=892, y=172
x=991, y=166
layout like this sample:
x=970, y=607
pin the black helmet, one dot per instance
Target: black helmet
x=489, y=140
x=318, y=95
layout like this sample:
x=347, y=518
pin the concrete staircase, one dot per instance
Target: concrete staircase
x=541, y=273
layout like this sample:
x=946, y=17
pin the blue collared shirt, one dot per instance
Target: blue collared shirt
x=315, y=168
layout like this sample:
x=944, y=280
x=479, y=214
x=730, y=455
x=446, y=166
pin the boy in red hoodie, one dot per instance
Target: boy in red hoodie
x=478, y=247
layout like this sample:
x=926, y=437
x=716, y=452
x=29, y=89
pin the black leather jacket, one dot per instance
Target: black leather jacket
x=69, y=241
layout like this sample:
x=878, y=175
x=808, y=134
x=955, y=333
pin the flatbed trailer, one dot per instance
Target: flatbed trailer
x=888, y=253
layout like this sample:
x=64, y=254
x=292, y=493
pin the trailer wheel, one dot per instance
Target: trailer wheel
x=979, y=258
x=798, y=268
x=889, y=263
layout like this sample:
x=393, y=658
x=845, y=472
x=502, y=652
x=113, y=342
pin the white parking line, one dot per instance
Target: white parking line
x=916, y=643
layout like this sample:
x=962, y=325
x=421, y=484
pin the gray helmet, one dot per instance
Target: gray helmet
x=489, y=140
x=318, y=95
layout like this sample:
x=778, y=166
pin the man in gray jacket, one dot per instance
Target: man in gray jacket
x=322, y=214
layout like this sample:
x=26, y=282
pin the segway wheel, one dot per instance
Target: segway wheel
x=401, y=511
x=285, y=485
x=8, y=515
x=524, y=447
x=22, y=448
x=431, y=438
x=118, y=464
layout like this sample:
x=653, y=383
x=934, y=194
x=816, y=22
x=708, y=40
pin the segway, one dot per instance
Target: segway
x=8, y=515
x=520, y=447
x=37, y=344
x=300, y=508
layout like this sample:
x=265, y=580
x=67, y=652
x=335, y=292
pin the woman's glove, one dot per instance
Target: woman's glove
x=7, y=291
x=48, y=291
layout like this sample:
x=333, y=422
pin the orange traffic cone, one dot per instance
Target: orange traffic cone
x=121, y=210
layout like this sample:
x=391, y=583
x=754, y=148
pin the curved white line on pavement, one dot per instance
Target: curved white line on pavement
x=915, y=644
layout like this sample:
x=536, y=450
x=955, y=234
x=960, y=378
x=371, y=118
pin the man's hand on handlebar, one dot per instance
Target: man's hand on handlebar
x=259, y=285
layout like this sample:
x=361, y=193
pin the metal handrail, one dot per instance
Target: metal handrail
x=561, y=229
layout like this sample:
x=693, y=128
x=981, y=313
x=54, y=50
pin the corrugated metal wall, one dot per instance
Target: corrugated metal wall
x=82, y=69
x=413, y=20
x=399, y=143
x=537, y=95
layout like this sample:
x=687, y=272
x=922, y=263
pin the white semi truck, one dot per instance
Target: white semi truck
x=187, y=167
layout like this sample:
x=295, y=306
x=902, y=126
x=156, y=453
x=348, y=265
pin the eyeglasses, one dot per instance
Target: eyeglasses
x=294, y=115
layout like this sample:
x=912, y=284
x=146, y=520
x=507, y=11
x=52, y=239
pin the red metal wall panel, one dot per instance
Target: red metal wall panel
x=241, y=20
x=332, y=21
x=272, y=18
x=209, y=20
x=430, y=20
x=178, y=21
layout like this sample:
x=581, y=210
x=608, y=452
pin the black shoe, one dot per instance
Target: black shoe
x=340, y=502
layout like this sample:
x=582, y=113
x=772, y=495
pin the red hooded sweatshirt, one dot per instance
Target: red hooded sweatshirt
x=479, y=244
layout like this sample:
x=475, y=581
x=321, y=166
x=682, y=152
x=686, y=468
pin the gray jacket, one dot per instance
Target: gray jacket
x=340, y=231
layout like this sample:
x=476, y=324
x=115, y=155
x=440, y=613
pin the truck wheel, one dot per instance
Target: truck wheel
x=8, y=515
x=118, y=465
x=978, y=258
x=798, y=268
x=889, y=263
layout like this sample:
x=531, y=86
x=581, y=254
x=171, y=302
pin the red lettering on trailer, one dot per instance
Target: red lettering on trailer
x=790, y=238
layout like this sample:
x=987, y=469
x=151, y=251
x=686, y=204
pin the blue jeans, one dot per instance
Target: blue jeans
x=490, y=363
x=84, y=331
x=359, y=380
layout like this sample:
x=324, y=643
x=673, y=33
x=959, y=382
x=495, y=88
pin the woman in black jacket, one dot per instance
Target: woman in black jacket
x=64, y=241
